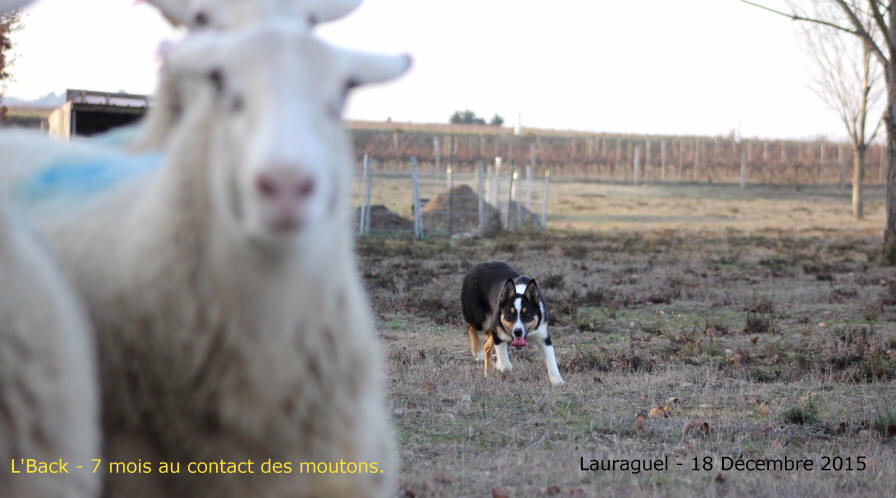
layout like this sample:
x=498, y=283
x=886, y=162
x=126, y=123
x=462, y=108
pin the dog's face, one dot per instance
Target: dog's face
x=520, y=312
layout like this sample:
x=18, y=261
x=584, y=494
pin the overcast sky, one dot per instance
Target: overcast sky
x=640, y=66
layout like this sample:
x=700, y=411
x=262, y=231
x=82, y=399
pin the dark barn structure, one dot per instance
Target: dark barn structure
x=88, y=112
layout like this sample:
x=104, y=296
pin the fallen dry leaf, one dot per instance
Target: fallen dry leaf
x=639, y=420
x=735, y=360
x=697, y=428
x=674, y=400
x=763, y=408
x=841, y=428
x=891, y=354
x=719, y=479
x=553, y=490
x=659, y=412
x=754, y=339
x=498, y=493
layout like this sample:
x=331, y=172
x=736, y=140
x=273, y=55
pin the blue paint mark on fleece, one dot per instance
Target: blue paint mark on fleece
x=84, y=177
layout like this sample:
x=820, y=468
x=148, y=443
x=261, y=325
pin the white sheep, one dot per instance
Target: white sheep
x=223, y=15
x=233, y=14
x=48, y=382
x=230, y=316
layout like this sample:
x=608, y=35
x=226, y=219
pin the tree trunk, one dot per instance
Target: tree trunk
x=858, y=178
x=889, y=249
x=889, y=118
x=889, y=252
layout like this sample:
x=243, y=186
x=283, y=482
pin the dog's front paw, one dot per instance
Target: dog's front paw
x=479, y=356
x=557, y=381
x=504, y=368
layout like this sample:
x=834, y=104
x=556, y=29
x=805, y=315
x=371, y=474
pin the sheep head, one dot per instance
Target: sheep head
x=279, y=159
x=233, y=14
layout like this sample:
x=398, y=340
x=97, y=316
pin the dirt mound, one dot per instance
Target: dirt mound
x=383, y=220
x=464, y=204
x=523, y=219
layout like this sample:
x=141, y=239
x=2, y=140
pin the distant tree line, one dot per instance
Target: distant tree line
x=470, y=117
x=8, y=24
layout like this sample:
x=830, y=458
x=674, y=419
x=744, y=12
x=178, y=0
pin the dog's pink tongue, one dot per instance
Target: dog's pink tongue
x=518, y=342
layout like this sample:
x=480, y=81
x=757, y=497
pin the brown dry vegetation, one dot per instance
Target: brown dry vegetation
x=781, y=340
x=610, y=155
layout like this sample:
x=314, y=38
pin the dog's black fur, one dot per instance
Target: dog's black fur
x=508, y=307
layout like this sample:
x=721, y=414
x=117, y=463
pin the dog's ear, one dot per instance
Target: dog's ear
x=531, y=292
x=507, y=293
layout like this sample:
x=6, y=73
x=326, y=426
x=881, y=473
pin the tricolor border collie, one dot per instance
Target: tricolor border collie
x=508, y=308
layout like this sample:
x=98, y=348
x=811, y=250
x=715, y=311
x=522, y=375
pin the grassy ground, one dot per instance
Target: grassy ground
x=763, y=335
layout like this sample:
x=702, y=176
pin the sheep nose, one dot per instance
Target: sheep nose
x=284, y=185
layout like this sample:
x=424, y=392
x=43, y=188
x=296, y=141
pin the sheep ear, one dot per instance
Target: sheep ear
x=184, y=62
x=10, y=5
x=330, y=10
x=175, y=11
x=373, y=68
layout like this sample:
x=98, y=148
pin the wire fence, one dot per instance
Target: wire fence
x=613, y=157
x=425, y=202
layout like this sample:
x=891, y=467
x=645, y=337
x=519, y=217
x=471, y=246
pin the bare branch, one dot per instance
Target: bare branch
x=858, y=29
x=862, y=33
x=793, y=16
x=881, y=24
x=846, y=79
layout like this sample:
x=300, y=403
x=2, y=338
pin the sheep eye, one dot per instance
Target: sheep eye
x=350, y=85
x=216, y=76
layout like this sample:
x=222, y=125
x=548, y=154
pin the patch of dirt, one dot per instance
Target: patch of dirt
x=463, y=204
x=384, y=220
x=522, y=218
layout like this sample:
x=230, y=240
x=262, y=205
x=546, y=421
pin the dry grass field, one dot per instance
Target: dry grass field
x=689, y=322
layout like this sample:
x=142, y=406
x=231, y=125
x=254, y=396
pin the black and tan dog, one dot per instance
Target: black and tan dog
x=508, y=308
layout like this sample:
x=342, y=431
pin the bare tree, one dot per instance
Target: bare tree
x=848, y=82
x=9, y=23
x=881, y=41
